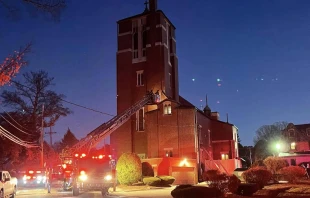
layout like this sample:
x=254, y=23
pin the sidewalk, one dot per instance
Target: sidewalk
x=123, y=188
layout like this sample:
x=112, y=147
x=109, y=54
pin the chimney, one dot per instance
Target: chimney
x=153, y=5
x=215, y=115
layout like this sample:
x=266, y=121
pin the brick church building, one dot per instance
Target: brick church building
x=173, y=131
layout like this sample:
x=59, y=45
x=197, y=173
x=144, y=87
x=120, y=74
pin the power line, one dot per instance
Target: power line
x=15, y=126
x=69, y=101
x=15, y=139
x=14, y=120
x=87, y=108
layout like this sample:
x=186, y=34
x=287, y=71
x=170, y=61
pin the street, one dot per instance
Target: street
x=58, y=192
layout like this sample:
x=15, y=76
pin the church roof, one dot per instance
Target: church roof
x=185, y=103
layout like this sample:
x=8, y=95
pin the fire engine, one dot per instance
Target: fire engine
x=34, y=177
x=97, y=172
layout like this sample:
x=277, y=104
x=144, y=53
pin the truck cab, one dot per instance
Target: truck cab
x=93, y=173
x=8, y=184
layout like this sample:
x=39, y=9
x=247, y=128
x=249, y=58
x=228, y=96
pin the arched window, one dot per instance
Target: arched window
x=167, y=108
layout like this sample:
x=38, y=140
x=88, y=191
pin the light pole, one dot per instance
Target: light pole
x=42, y=138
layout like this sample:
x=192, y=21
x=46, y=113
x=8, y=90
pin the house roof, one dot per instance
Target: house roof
x=302, y=127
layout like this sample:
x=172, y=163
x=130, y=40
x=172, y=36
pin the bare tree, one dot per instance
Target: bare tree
x=51, y=7
x=271, y=132
x=11, y=65
x=29, y=97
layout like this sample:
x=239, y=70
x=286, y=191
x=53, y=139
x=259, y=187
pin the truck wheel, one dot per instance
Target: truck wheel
x=105, y=192
x=14, y=193
x=75, y=191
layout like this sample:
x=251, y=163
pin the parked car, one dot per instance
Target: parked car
x=8, y=184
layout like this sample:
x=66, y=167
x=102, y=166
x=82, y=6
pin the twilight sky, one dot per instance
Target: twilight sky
x=259, y=50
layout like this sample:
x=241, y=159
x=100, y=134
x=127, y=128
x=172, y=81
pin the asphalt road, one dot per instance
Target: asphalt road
x=40, y=192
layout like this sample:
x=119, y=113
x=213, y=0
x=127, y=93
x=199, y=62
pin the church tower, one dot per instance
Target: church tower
x=146, y=60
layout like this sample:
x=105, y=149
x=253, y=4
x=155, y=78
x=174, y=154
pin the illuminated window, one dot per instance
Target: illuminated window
x=293, y=145
x=224, y=156
x=140, y=120
x=140, y=78
x=167, y=108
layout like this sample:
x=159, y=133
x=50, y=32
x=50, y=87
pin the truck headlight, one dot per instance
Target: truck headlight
x=83, y=177
x=108, y=177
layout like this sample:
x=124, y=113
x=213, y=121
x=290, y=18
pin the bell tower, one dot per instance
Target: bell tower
x=145, y=60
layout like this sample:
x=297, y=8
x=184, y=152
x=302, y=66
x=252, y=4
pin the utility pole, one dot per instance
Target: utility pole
x=42, y=138
x=250, y=154
x=51, y=134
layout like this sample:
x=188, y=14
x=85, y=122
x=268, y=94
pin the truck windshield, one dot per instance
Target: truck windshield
x=94, y=166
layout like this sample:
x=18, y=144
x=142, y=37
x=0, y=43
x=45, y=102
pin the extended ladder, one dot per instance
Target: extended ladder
x=101, y=132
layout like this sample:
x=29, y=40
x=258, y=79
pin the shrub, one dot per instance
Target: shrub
x=129, y=168
x=152, y=181
x=216, y=180
x=292, y=173
x=147, y=170
x=258, y=163
x=166, y=180
x=257, y=175
x=274, y=164
x=188, y=191
x=233, y=183
x=210, y=175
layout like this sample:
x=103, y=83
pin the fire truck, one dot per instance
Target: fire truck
x=97, y=172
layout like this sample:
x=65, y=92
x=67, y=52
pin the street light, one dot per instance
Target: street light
x=278, y=147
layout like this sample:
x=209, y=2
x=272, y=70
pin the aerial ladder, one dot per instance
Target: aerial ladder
x=104, y=130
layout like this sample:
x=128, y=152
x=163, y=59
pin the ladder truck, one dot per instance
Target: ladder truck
x=97, y=172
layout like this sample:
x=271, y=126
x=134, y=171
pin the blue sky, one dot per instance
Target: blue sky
x=259, y=49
